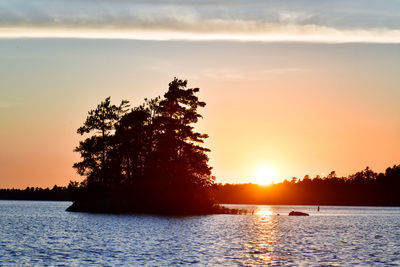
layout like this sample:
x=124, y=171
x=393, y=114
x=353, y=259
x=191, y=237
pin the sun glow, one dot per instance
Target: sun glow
x=265, y=175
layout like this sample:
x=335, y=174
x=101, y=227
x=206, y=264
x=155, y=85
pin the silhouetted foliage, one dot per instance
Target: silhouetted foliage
x=96, y=150
x=148, y=159
x=362, y=188
x=59, y=193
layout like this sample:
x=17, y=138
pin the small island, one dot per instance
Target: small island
x=146, y=159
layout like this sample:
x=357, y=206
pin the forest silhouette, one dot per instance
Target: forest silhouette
x=364, y=188
x=149, y=159
x=146, y=159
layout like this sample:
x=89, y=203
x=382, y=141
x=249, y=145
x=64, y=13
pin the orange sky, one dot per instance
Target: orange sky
x=300, y=108
x=298, y=87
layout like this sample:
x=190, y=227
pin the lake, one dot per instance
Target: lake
x=42, y=233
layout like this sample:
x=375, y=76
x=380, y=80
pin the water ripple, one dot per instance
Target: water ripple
x=42, y=233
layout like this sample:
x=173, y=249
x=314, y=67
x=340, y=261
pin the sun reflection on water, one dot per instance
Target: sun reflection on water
x=265, y=237
x=264, y=211
x=361, y=236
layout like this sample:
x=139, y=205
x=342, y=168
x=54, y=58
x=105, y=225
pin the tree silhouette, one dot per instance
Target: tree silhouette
x=178, y=150
x=149, y=158
x=95, y=149
x=362, y=188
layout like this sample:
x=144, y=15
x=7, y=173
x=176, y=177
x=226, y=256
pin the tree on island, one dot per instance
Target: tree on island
x=148, y=159
x=96, y=149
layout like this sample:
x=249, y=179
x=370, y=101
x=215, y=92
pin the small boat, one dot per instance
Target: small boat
x=298, y=213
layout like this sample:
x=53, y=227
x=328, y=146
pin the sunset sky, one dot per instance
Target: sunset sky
x=300, y=87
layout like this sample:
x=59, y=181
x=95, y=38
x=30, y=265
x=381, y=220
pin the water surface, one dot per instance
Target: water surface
x=42, y=233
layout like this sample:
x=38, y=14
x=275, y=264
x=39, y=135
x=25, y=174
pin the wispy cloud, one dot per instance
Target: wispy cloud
x=236, y=20
x=248, y=74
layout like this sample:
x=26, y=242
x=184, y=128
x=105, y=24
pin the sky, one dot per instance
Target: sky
x=302, y=87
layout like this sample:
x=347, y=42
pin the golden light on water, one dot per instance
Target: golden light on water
x=264, y=211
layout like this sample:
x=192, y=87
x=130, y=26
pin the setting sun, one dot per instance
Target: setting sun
x=265, y=175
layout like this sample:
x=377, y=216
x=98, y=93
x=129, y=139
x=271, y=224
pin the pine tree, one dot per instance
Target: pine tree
x=150, y=158
x=94, y=150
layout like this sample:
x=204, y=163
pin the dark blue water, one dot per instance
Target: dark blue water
x=42, y=233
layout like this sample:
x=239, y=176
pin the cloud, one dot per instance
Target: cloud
x=234, y=20
x=248, y=74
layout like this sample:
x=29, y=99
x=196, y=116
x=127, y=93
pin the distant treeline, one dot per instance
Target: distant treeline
x=59, y=193
x=32, y=193
x=364, y=188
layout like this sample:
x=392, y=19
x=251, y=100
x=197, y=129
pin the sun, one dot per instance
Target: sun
x=265, y=175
